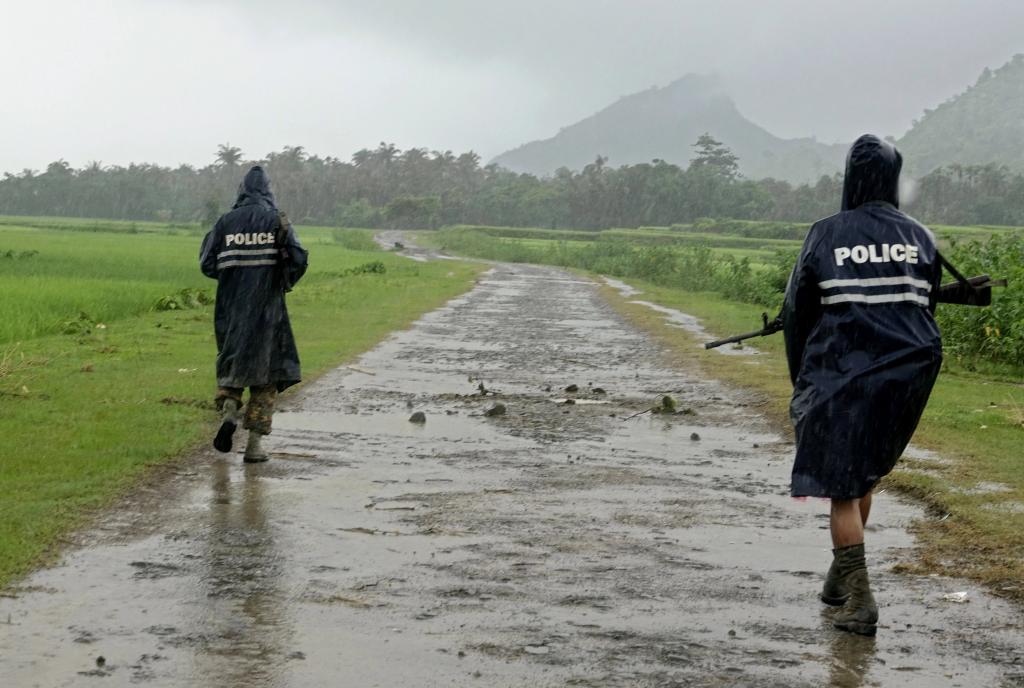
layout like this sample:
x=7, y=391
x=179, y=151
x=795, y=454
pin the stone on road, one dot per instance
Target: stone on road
x=552, y=545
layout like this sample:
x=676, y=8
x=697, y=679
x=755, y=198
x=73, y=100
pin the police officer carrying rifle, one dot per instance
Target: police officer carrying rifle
x=255, y=256
x=863, y=351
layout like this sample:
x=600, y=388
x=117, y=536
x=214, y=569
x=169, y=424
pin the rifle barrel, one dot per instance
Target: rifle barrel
x=736, y=338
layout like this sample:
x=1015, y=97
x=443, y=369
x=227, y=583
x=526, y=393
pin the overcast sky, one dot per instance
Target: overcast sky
x=167, y=80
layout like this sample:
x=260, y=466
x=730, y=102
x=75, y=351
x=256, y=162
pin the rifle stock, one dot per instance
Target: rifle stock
x=973, y=291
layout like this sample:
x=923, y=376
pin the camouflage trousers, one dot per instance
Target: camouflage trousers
x=259, y=412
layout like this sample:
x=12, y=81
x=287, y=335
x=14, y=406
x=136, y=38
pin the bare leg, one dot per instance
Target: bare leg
x=846, y=524
x=865, y=508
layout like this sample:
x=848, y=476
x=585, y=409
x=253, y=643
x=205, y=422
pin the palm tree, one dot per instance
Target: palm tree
x=228, y=155
x=386, y=153
x=361, y=157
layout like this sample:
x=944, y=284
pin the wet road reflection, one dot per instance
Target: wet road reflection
x=242, y=630
x=852, y=657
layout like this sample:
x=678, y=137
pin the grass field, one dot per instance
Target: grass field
x=49, y=277
x=735, y=235
x=83, y=414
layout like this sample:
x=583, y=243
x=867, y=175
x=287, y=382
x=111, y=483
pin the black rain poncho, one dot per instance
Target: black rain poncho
x=255, y=345
x=862, y=345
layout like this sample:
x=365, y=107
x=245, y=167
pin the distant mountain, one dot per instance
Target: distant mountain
x=664, y=123
x=983, y=124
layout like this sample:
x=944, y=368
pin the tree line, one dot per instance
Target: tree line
x=416, y=188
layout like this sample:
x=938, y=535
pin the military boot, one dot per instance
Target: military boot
x=859, y=614
x=229, y=421
x=834, y=593
x=254, y=452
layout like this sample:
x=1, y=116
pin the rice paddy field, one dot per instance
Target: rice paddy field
x=54, y=273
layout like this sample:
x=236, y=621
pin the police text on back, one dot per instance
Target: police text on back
x=873, y=253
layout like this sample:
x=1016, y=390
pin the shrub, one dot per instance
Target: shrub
x=184, y=299
x=355, y=239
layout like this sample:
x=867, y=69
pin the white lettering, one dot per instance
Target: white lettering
x=886, y=253
x=250, y=239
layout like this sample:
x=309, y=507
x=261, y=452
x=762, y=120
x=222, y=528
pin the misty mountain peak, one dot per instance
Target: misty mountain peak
x=664, y=123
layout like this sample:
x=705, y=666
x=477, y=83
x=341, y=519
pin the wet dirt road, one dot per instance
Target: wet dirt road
x=554, y=545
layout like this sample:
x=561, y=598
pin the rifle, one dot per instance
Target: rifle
x=283, y=257
x=973, y=291
x=770, y=327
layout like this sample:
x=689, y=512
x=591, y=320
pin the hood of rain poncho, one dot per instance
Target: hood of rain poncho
x=872, y=173
x=255, y=190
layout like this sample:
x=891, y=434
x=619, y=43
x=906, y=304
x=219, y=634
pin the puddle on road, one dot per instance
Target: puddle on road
x=623, y=288
x=682, y=321
x=438, y=426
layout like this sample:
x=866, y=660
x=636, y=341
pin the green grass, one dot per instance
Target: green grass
x=976, y=422
x=77, y=224
x=644, y=236
x=758, y=257
x=981, y=232
x=540, y=249
x=82, y=416
x=56, y=275
x=52, y=276
x=747, y=235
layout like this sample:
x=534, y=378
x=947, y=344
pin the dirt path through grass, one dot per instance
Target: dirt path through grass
x=553, y=545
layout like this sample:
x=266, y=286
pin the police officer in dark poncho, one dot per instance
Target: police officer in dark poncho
x=255, y=256
x=864, y=352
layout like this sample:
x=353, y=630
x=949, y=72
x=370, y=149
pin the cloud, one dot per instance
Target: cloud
x=167, y=80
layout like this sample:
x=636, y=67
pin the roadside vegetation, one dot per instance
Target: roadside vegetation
x=974, y=422
x=107, y=354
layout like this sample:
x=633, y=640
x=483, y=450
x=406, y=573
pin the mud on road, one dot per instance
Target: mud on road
x=554, y=545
